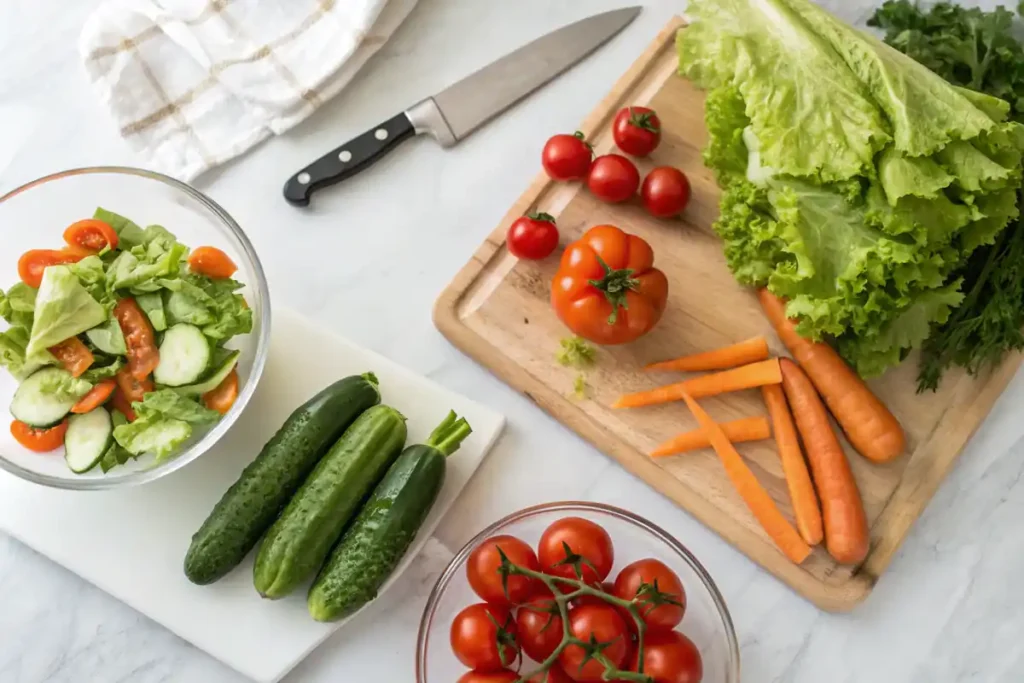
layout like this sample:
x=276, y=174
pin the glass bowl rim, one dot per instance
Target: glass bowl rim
x=456, y=563
x=259, y=361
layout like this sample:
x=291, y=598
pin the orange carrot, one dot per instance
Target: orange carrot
x=744, y=377
x=870, y=427
x=798, y=479
x=846, y=526
x=744, y=429
x=750, y=489
x=748, y=351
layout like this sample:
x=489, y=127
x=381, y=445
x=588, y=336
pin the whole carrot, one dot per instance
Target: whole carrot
x=798, y=479
x=870, y=427
x=846, y=525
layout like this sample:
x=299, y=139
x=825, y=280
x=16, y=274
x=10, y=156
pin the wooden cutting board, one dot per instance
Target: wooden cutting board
x=497, y=310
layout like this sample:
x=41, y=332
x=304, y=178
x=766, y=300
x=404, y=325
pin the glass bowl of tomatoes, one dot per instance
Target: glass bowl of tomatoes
x=58, y=219
x=565, y=592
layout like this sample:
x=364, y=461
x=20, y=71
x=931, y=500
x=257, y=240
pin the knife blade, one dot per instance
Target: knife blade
x=457, y=111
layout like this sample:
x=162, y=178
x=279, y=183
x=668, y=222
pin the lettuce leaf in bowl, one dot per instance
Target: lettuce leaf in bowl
x=63, y=309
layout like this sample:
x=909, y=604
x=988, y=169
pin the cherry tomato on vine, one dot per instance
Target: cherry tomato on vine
x=567, y=157
x=533, y=236
x=503, y=676
x=665, y=192
x=637, y=130
x=576, y=548
x=608, y=588
x=482, y=570
x=613, y=178
x=670, y=657
x=483, y=637
x=599, y=624
x=539, y=626
x=657, y=590
x=39, y=440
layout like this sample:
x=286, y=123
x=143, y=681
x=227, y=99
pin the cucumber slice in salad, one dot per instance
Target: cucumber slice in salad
x=37, y=406
x=184, y=356
x=87, y=439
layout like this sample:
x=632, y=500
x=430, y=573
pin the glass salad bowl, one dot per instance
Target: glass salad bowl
x=706, y=621
x=35, y=216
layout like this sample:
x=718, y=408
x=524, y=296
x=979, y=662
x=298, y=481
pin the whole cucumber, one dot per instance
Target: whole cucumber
x=376, y=542
x=247, y=508
x=297, y=543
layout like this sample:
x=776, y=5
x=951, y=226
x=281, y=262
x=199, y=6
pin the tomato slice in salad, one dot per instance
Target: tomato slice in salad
x=91, y=234
x=39, y=440
x=73, y=355
x=32, y=263
x=224, y=395
x=211, y=262
x=143, y=356
x=131, y=387
x=96, y=397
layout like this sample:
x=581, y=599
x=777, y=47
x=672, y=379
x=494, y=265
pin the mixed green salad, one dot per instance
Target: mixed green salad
x=857, y=184
x=119, y=342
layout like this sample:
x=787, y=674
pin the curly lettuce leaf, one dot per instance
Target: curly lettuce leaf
x=168, y=404
x=102, y=370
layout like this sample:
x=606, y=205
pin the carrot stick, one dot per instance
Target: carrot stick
x=798, y=479
x=744, y=377
x=846, y=526
x=745, y=429
x=870, y=427
x=753, y=494
x=748, y=351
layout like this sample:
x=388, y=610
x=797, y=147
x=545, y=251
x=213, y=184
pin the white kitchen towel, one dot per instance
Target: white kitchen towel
x=193, y=83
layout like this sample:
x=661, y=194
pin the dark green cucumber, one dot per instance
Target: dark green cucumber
x=376, y=542
x=298, y=542
x=251, y=504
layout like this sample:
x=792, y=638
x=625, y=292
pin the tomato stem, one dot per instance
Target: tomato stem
x=562, y=600
x=614, y=285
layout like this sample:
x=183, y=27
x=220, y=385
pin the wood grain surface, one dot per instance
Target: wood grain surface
x=497, y=310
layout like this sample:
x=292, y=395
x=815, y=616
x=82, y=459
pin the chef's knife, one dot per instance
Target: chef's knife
x=456, y=112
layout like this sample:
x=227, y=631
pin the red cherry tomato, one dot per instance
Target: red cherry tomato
x=576, y=548
x=567, y=157
x=503, y=676
x=212, y=262
x=613, y=178
x=32, y=263
x=656, y=589
x=608, y=588
x=600, y=624
x=90, y=234
x=637, y=130
x=533, y=236
x=485, y=579
x=670, y=657
x=483, y=637
x=540, y=628
x=665, y=192
x=39, y=440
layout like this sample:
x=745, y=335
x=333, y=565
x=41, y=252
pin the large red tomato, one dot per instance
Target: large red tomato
x=657, y=589
x=484, y=563
x=576, y=548
x=503, y=676
x=607, y=289
x=603, y=627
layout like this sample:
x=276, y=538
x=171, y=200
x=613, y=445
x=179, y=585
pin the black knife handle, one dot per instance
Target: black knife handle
x=354, y=156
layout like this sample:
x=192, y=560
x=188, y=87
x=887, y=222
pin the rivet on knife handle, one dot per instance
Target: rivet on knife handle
x=354, y=156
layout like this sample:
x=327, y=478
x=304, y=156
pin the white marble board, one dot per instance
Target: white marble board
x=131, y=542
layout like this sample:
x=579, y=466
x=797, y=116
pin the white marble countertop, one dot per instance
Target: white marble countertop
x=950, y=607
